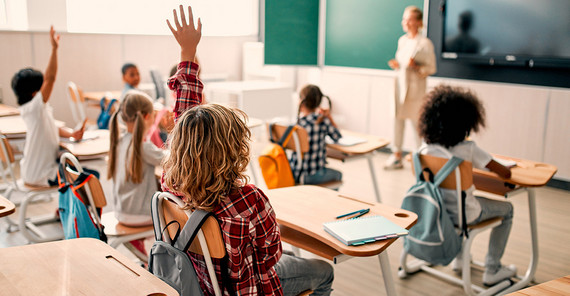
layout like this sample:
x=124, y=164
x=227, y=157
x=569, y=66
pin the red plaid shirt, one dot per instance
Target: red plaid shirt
x=247, y=220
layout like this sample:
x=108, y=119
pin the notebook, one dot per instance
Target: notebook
x=346, y=141
x=359, y=231
x=505, y=162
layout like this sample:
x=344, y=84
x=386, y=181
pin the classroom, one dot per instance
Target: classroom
x=257, y=55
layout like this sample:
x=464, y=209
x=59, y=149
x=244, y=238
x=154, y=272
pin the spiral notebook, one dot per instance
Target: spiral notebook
x=359, y=231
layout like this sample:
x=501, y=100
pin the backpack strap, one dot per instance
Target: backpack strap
x=190, y=230
x=111, y=103
x=286, y=135
x=417, y=166
x=449, y=166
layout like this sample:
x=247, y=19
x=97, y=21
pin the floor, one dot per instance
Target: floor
x=362, y=276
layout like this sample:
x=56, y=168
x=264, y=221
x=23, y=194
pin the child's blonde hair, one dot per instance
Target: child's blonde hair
x=209, y=153
x=133, y=108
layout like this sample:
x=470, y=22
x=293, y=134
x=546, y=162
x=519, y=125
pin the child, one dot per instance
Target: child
x=448, y=117
x=318, y=123
x=209, y=153
x=131, y=77
x=132, y=162
x=33, y=90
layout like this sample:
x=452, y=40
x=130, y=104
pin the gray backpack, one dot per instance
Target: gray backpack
x=169, y=262
x=433, y=238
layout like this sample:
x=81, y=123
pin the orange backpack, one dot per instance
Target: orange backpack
x=274, y=163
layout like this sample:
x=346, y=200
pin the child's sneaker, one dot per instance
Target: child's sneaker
x=393, y=163
x=505, y=272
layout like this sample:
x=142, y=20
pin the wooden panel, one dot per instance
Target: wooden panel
x=557, y=138
x=15, y=54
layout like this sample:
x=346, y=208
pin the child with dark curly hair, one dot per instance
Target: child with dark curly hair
x=448, y=116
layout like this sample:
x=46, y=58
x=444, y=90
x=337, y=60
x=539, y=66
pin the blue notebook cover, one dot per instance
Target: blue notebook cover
x=358, y=231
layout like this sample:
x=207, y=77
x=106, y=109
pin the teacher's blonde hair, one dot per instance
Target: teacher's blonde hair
x=209, y=154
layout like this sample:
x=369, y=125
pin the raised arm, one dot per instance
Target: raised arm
x=51, y=70
x=185, y=82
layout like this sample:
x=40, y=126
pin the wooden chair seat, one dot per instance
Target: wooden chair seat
x=31, y=187
x=115, y=228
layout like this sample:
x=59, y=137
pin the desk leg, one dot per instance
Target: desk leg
x=373, y=175
x=529, y=276
x=387, y=273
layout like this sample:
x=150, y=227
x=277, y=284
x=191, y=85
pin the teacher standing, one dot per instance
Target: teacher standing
x=415, y=61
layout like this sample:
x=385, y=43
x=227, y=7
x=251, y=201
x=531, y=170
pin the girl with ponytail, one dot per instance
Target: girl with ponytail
x=132, y=161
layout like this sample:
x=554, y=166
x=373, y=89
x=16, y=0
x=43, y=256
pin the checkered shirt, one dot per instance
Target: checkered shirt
x=253, y=243
x=247, y=220
x=187, y=86
x=316, y=158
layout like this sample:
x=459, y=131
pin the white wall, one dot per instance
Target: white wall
x=528, y=122
x=93, y=61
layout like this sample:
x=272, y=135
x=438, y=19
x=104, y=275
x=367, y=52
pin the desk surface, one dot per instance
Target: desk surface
x=6, y=207
x=302, y=210
x=555, y=287
x=372, y=143
x=90, y=147
x=14, y=126
x=81, y=266
x=526, y=173
x=6, y=110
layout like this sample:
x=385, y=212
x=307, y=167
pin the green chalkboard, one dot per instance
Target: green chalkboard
x=291, y=32
x=363, y=33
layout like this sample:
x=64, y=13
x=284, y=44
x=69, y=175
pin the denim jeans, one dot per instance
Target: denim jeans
x=491, y=208
x=300, y=274
x=322, y=176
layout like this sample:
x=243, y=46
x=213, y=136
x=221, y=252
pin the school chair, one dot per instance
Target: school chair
x=300, y=145
x=116, y=232
x=76, y=103
x=30, y=193
x=460, y=181
x=210, y=243
x=159, y=84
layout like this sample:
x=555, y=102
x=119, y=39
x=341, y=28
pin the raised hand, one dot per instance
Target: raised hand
x=186, y=34
x=54, y=38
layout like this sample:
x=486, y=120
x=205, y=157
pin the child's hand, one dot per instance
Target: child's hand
x=412, y=64
x=77, y=135
x=54, y=38
x=186, y=35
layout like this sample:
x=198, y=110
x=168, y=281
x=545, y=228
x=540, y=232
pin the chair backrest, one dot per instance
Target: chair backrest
x=77, y=100
x=435, y=163
x=210, y=243
x=158, y=84
x=94, y=191
x=300, y=141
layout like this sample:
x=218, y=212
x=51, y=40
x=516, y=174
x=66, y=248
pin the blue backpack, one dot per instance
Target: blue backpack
x=105, y=116
x=433, y=238
x=75, y=217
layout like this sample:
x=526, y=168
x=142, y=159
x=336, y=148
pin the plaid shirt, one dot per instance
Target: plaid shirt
x=316, y=158
x=253, y=243
x=187, y=86
x=247, y=220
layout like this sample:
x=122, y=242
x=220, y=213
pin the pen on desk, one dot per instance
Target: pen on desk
x=359, y=212
x=364, y=212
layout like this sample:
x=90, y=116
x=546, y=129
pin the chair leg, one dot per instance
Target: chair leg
x=28, y=226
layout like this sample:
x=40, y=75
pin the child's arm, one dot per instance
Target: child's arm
x=185, y=82
x=499, y=169
x=66, y=132
x=51, y=70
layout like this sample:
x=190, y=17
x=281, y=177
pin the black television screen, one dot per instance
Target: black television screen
x=531, y=33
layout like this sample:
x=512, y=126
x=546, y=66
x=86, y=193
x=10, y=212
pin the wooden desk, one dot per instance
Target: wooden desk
x=6, y=110
x=93, y=98
x=14, y=126
x=82, y=266
x=6, y=207
x=302, y=210
x=90, y=148
x=527, y=175
x=555, y=287
x=366, y=149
